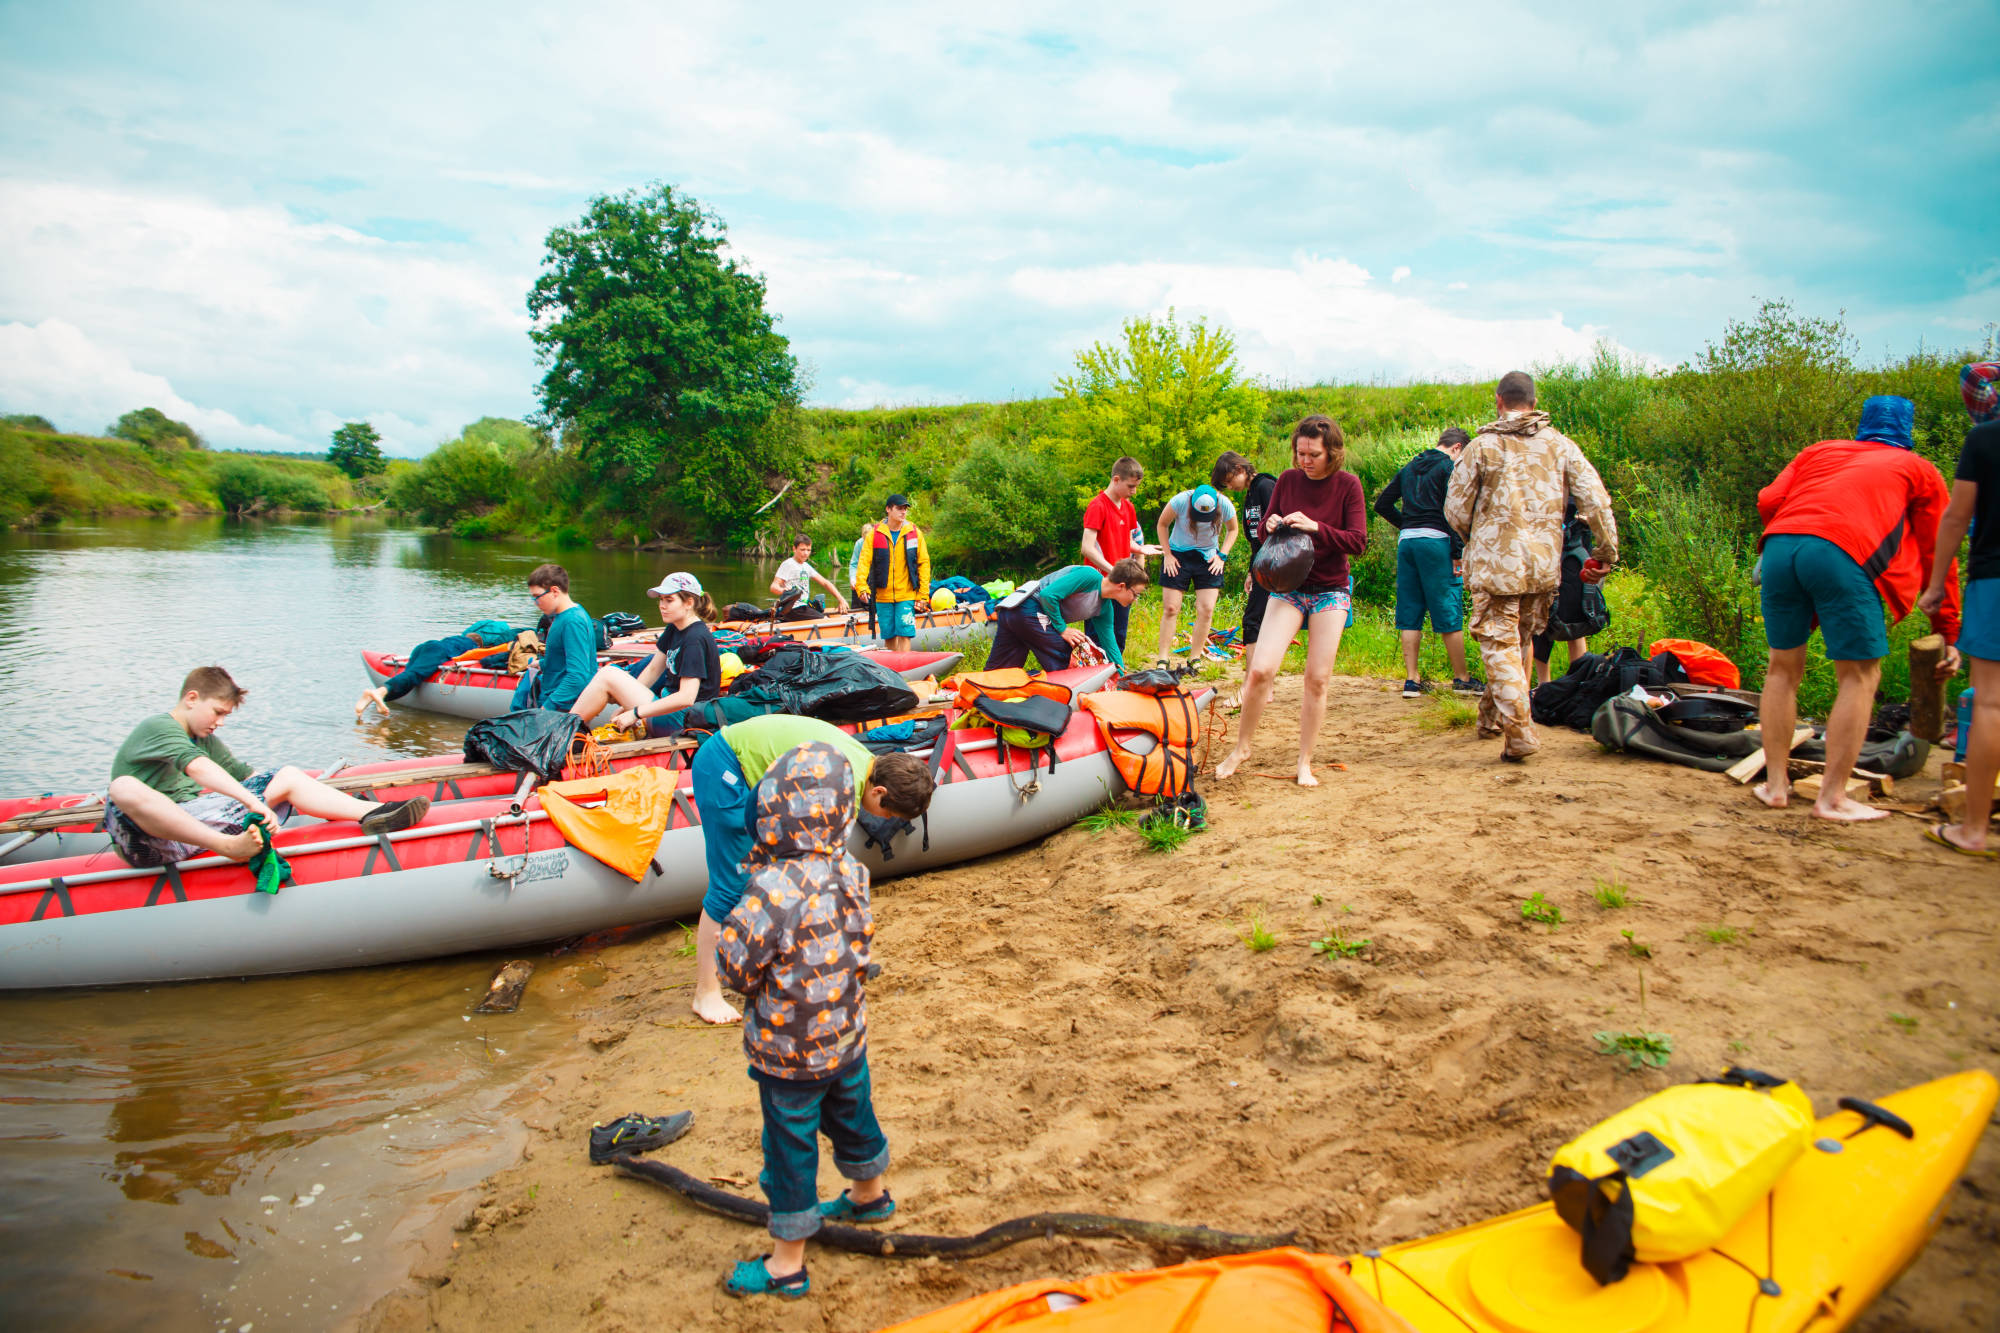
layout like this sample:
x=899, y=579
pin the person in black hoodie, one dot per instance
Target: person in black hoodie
x=1427, y=560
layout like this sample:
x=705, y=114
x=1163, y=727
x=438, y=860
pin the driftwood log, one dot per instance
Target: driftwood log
x=1926, y=690
x=910, y=1245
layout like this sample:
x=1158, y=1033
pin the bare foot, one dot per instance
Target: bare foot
x=715, y=1009
x=1777, y=800
x=244, y=845
x=1306, y=778
x=1230, y=763
x=379, y=696
x=1848, y=811
x=1961, y=837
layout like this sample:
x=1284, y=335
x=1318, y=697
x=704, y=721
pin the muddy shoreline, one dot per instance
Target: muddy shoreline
x=1080, y=1025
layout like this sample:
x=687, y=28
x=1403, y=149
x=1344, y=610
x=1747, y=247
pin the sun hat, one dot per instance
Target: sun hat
x=677, y=582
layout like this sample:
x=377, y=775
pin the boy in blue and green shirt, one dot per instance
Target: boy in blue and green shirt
x=1039, y=616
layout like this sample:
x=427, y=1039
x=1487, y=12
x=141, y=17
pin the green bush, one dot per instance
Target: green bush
x=244, y=486
x=461, y=478
x=1007, y=505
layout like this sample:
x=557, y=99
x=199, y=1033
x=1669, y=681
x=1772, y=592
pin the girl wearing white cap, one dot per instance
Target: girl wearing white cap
x=684, y=656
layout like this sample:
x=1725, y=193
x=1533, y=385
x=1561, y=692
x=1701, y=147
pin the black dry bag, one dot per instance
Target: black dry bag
x=1284, y=561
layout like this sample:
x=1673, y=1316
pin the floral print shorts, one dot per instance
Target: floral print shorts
x=1310, y=604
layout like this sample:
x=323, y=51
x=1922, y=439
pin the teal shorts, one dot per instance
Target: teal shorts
x=1808, y=579
x=1425, y=584
x=896, y=620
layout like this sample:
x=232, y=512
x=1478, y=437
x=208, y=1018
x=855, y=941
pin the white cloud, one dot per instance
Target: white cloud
x=1402, y=271
x=1318, y=319
x=52, y=369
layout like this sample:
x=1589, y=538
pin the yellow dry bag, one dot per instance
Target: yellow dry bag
x=1671, y=1176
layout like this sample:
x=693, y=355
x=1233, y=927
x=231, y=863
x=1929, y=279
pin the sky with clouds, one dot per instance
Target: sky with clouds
x=267, y=219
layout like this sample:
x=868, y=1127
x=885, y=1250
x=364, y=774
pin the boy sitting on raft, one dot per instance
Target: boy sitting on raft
x=725, y=774
x=431, y=654
x=177, y=791
x=1075, y=594
x=797, y=945
x=570, y=658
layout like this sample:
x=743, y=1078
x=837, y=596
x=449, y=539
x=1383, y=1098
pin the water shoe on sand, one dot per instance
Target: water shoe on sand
x=845, y=1209
x=753, y=1278
x=636, y=1133
x=396, y=816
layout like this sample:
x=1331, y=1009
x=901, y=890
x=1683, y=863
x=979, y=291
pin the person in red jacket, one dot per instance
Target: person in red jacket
x=1317, y=494
x=1848, y=525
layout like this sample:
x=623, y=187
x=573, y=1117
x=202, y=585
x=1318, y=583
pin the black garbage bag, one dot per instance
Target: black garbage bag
x=1573, y=698
x=1284, y=561
x=835, y=687
x=534, y=740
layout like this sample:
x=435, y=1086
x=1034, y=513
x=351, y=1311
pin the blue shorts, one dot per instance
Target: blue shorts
x=728, y=806
x=1426, y=585
x=1310, y=604
x=1809, y=579
x=1980, y=635
x=896, y=620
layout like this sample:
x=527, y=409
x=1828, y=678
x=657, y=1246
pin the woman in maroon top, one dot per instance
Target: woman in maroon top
x=1318, y=495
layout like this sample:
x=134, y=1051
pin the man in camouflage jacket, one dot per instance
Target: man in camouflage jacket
x=1506, y=500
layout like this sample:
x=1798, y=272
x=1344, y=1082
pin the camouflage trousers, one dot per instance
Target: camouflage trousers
x=1505, y=628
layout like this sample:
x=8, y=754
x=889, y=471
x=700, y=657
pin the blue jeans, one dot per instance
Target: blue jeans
x=426, y=658
x=728, y=806
x=795, y=1115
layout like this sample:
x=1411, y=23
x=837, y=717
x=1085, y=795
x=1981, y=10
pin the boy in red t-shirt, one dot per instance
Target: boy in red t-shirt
x=1111, y=532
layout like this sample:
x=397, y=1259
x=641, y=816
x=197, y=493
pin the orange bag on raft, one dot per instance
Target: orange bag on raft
x=1151, y=738
x=624, y=832
x=1705, y=665
x=1276, y=1291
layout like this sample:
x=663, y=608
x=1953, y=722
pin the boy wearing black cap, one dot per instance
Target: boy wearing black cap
x=895, y=574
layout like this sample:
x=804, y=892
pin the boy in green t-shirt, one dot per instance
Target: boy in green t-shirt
x=1041, y=615
x=177, y=791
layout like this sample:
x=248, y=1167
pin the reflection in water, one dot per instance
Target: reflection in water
x=209, y=1150
x=98, y=624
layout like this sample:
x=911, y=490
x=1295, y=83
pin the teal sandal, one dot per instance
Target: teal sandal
x=845, y=1209
x=752, y=1277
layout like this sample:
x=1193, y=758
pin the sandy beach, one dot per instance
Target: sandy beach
x=1080, y=1025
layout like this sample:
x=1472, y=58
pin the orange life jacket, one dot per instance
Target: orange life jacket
x=1151, y=738
x=1006, y=683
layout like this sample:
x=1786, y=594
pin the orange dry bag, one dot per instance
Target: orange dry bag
x=1705, y=665
x=1151, y=738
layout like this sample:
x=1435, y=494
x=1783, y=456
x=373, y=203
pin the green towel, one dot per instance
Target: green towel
x=271, y=869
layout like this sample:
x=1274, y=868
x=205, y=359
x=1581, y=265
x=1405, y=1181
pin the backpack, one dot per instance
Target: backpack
x=619, y=624
x=1670, y=1177
x=1596, y=615
x=1572, y=699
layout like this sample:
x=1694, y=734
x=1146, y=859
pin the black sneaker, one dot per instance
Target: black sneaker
x=395, y=816
x=1467, y=687
x=635, y=1133
x=1412, y=690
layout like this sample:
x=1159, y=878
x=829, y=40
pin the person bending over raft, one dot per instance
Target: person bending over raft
x=431, y=654
x=177, y=791
x=725, y=774
x=569, y=659
x=684, y=656
x=1075, y=594
x=1316, y=495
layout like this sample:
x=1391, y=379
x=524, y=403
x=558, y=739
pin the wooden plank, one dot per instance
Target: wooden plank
x=1748, y=767
x=429, y=774
x=1926, y=690
x=1808, y=787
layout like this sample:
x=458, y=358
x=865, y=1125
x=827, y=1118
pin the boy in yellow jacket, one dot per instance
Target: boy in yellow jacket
x=895, y=573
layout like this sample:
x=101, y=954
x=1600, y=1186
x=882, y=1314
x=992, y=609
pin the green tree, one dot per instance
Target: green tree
x=463, y=477
x=1171, y=396
x=155, y=430
x=29, y=421
x=356, y=450
x=1004, y=506
x=661, y=362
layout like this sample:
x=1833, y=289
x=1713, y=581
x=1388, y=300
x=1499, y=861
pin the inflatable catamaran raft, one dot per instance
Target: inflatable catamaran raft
x=478, y=873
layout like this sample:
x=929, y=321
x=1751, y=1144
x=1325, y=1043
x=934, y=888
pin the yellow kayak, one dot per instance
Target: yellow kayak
x=1843, y=1222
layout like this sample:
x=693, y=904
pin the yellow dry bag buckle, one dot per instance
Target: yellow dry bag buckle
x=1671, y=1176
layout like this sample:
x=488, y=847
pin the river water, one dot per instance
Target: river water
x=216, y=1154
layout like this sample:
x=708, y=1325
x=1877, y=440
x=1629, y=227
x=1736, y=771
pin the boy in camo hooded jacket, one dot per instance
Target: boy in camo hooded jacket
x=797, y=948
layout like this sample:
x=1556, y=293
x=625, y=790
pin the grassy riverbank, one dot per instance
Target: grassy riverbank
x=48, y=478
